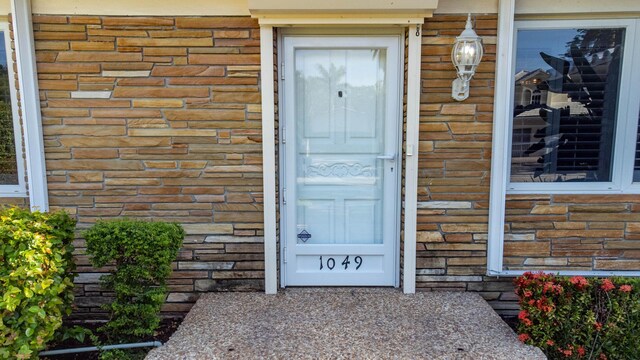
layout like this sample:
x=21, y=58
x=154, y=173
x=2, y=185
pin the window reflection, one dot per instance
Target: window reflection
x=636, y=167
x=564, y=104
x=8, y=163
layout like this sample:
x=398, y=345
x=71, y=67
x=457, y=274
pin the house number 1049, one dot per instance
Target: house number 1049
x=330, y=263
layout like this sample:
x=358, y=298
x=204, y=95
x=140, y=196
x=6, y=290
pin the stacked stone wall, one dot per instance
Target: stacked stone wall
x=454, y=167
x=158, y=118
x=573, y=232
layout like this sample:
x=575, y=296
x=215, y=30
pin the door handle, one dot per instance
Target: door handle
x=386, y=157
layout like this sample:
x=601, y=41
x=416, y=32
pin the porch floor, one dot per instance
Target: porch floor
x=344, y=324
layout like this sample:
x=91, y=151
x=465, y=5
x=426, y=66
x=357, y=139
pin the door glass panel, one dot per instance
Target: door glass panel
x=339, y=109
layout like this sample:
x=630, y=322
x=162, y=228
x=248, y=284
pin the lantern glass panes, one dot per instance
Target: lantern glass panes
x=465, y=55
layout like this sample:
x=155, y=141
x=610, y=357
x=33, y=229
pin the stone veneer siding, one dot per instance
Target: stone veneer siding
x=454, y=167
x=158, y=118
x=573, y=232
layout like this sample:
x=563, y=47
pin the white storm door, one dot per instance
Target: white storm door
x=341, y=162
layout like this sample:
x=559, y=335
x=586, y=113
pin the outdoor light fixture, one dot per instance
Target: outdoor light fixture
x=466, y=55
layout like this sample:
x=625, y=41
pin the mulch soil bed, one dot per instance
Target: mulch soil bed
x=163, y=333
x=512, y=321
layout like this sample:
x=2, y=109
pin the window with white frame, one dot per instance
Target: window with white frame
x=11, y=161
x=574, y=107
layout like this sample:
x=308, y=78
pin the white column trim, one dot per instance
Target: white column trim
x=411, y=166
x=499, y=166
x=268, y=160
x=30, y=104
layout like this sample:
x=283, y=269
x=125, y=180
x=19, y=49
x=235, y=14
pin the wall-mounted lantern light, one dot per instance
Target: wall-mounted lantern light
x=466, y=55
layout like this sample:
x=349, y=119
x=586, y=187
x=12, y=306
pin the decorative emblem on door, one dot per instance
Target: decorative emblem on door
x=304, y=236
x=340, y=170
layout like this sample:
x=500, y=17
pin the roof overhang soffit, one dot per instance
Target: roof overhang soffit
x=341, y=12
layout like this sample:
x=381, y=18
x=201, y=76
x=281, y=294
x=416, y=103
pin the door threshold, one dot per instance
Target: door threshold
x=340, y=289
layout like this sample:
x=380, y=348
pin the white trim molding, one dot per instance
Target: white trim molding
x=333, y=21
x=553, y=8
x=286, y=13
x=364, y=20
x=268, y=160
x=19, y=189
x=573, y=7
x=338, y=10
x=411, y=162
x=499, y=167
x=593, y=273
x=30, y=101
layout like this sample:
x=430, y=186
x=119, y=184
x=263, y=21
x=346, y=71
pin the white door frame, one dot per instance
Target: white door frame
x=412, y=25
x=368, y=37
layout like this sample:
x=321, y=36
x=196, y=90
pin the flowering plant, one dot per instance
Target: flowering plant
x=580, y=318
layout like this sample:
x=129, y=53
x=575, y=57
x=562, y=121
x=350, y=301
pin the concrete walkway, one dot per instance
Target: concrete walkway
x=344, y=324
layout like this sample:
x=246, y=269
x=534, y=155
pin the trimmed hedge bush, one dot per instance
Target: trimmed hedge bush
x=580, y=318
x=142, y=253
x=36, y=279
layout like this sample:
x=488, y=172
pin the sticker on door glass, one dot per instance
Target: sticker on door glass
x=304, y=236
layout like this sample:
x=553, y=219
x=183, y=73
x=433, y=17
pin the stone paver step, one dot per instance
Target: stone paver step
x=344, y=323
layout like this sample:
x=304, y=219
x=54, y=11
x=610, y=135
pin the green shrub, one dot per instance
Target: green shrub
x=142, y=253
x=579, y=318
x=36, y=279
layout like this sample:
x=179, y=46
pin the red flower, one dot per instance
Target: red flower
x=523, y=314
x=581, y=351
x=527, y=293
x=598, y=326
x=626, y=288
x=558, y=289
x=567, y=353
x=602, y=356
x=579, y=282
x=524, y=318
x=534, y=276
x=607, y=285
x=524, y=337
x=550, y=342
x=524, y=280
